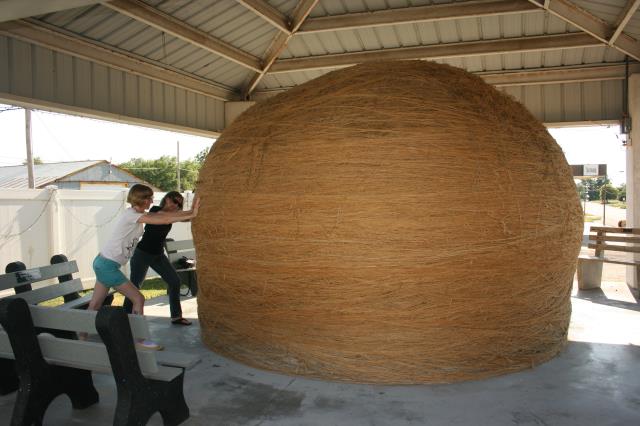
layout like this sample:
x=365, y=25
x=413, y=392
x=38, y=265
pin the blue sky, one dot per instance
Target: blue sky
x=58, y=137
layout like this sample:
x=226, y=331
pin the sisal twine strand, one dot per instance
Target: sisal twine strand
x=394, y=222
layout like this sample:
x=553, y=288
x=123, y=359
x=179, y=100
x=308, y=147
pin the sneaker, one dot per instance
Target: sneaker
x=149, y=345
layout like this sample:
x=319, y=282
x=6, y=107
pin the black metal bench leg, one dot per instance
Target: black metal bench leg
x=175, y=409
x=78, y=385
x=32, y=400
x=40, y=383
x=8, y=376
x=138, y=397
x=131, y=410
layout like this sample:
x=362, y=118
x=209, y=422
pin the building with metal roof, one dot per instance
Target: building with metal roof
x=98, y=174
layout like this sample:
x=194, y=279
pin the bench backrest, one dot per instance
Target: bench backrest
x=87, y=355
x=21, y=280
x=623, y=239
x=177, y=249
x=34, y=275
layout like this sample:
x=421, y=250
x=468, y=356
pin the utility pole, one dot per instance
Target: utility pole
x=27, y=116
x=178, y=165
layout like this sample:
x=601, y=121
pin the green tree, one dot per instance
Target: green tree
x=608, y=192
x=622, y=192
x=36, y=160
x=201, y=156
x=581, y=189
x=593, y=187
x=162, y=172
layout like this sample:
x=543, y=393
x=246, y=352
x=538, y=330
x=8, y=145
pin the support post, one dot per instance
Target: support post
x=633, y=171
x=27, y=124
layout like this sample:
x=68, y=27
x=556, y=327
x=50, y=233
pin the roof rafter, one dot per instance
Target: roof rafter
x=558, y=75
x=16, y=9
x=537, y=76
x=164, y=22
x=569, y=12
x=45, y=35
x=300, y=13
x=623, y=19
x=269, y=13
x=437, y=51
x=416, y=14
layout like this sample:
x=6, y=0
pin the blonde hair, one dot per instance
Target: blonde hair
x=138, y=193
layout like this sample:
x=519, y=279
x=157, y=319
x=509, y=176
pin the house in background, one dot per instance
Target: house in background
x=99, y=174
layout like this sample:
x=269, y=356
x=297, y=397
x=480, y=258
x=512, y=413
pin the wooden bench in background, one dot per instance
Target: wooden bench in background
x=47, y=366
x=176, y=250
x=605, y=239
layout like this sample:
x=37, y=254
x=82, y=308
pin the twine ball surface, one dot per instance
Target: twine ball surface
x=393, y=222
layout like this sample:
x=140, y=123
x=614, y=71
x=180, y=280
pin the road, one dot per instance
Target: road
x=612, y=214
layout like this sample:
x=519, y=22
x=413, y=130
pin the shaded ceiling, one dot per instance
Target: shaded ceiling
x=234, y=50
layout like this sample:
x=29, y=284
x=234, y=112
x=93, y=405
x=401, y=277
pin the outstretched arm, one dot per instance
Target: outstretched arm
x=171, y=217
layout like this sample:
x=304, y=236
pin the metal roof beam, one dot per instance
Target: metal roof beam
x=537, y=76
x=37, y=32
x=628, y=11
x=164, y=22
x=439, y=51
x=300, y=13
x=268, y=13
x=558, y=75
x=569, y=12
x=416, y=14
x=16, y=9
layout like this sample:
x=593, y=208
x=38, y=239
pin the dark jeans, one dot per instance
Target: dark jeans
x=140, y=263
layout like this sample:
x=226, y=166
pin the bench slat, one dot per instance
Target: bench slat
x=89, y=356
x=610, y=247
x=177, y=359
x=52, y=291
x=81, y=321
x=80, y=302
x=610, y=260
x=33, y=275
x=180, y=245
x=174, y=256
x=615, y=230
x=614, y=238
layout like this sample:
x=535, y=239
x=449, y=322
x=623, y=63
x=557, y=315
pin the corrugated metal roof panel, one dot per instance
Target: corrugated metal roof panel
x=607, y=10
x=554, y=103
x=16, y=176
x=245, y=31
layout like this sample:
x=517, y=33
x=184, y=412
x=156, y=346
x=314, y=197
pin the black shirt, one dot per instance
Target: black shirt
x=152, y=241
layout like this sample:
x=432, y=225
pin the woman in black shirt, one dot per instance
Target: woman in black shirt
x=150, y=253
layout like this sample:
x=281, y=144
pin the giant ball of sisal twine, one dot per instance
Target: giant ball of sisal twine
x=393, y=222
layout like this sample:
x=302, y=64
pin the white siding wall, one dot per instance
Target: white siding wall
x=36, y=224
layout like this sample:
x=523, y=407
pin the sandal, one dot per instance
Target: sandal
x=180, y=321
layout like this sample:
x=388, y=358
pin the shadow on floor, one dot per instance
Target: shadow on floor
x=596, y=295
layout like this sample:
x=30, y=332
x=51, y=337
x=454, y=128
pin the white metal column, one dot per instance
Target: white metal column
x=633, y=170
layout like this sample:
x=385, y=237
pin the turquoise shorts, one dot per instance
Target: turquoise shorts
x=108, y=272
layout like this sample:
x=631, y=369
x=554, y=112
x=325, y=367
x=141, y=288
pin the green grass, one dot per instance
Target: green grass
x=151, y=288
x=617, y=204
x=591, y=218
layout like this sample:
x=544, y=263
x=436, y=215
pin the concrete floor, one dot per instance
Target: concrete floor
x=595, y=381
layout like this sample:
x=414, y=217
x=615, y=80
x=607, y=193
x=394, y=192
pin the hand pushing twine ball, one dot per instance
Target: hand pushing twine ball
x=393, y=222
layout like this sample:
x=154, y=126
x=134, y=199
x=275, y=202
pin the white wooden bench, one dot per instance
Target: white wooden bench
x=176, y=250
x=606, y=239
x=47, y=366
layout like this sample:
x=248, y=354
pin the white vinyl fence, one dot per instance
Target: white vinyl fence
x=35, y=224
